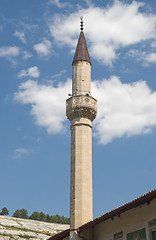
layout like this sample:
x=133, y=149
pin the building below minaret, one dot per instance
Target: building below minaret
x=81, y=110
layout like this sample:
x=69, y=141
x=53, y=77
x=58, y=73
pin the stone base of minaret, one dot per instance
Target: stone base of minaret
x=74, y=235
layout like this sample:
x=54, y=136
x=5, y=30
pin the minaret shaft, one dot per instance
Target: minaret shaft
x=81, y=110
x=81, y=203
x=81, y=173
x=81, y=84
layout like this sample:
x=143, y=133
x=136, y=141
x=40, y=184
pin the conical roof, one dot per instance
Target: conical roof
x=81, y=53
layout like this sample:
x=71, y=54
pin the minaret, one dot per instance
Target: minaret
x=81, y=110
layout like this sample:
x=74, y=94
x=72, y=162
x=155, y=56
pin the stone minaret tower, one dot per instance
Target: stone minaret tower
x=81, y=110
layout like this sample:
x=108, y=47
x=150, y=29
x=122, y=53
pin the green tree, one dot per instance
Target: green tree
x=16, y=214
x=47, y=218
x=53, y=219
x=21, y=213
x=4, y=211
x=42, y=217
x=35, y=216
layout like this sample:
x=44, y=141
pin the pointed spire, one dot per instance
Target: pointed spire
x=81, y=53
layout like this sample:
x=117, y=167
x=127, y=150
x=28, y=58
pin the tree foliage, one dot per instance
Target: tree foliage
x=21, y=213
x=47, y=218
x=39, y=216
x=4, y=211
x=35, y=216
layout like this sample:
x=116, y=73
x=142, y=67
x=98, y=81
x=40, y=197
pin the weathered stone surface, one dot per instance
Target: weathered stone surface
x=15, y=228
x=81, y=109
x=81, y=106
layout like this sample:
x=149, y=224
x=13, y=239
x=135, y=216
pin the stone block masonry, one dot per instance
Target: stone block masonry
x=81, y=109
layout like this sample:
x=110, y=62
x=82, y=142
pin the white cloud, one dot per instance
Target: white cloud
x=58, y=75
x=58, y=3
x=30, y=72
x=43, y=48
x=22, y=73
x=150, y=58
x=26, y=54
x=146, y=58
x=20, y=152
x=48, y=103
x=107, y=29
x=33, y=72
x=9, y=51
x=123, y=109
x=153, y=44
x=89, y=3
x=21, y=36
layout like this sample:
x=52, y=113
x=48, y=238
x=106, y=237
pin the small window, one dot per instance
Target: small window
x=152, y=224
x=153, y=235
x=118, y=236
x=137, y=235
x=152, y=229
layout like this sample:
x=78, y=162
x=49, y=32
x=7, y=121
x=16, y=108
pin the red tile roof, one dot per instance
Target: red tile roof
x=146, y=198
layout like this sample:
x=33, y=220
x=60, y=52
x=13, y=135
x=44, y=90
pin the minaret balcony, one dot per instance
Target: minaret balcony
x=81, y=106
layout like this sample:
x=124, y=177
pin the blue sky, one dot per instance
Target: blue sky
x=37, y=44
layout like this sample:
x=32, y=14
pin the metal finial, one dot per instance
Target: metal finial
x=81, y=24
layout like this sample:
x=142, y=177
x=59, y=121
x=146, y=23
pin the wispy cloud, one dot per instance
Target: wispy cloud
x=153, y=45
x=20, y=152
x=30, y=72
x=123, y=109
x=21, y=36
x=150, y=58
x=43, y=48
x=28, y=27
x=26, y=54
x=89, y=3
x=58, y=75
x=58, y=3
x=146, y=58
x=9, y=52
x=107, y=29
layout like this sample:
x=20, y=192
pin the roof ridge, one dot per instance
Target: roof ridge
x=147, y=197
